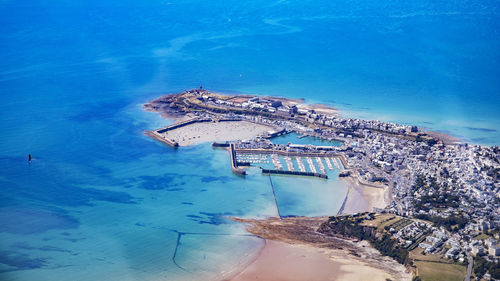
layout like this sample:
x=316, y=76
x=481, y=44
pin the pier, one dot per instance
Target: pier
x=289, y=163
x=220, y=144
x=331, y=159
x=182, y=124
x=301, y=164
x=234, y=162
x=159, y=137
x=321, y=166
x=296, y=173
x=329, y=164
x=274, y=196
x=276, y=162
x=311, y=165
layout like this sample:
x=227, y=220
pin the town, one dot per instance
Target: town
x=444, y=193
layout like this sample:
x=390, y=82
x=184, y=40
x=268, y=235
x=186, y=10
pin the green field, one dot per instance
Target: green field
x=435, y=271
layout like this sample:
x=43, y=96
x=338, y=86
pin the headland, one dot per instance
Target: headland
x=417, y=197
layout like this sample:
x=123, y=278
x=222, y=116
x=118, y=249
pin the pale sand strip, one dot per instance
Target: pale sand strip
x=282, y=261
x=294, y=252
x=362, y=198
x=216, y=131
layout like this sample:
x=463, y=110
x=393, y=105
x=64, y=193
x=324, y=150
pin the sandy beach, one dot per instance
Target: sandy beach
x=298, y=262
x=215, y=131
x=295, y=251
x=362, y=198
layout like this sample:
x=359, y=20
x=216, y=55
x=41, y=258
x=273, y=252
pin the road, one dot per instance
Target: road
x=469, y=269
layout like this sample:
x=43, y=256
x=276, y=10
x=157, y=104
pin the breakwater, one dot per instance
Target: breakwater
x=157, y=136
x=295, y=173
x=289, y=153
x=274, y=196
x=234, y=163
x=220, y=144
x=182, y=124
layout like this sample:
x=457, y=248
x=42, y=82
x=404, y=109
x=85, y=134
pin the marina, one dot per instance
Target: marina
x=276, y=162
x=289, y=163
x=272, y=158
x=330, y=167
x=301, y=164
x=320, y=165
x=312, y=168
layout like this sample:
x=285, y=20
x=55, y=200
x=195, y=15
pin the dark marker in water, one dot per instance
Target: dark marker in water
x=29, y=157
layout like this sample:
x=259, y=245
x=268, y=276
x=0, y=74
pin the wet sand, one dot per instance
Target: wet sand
x=295, y=251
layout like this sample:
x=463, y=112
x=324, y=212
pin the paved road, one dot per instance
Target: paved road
x=469, y=269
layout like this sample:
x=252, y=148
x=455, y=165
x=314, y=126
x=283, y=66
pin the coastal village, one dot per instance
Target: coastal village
x=443, y=207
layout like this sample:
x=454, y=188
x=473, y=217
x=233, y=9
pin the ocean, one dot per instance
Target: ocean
x=101, y=201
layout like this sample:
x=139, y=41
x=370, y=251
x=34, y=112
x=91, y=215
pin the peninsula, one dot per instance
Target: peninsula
x=424, y=199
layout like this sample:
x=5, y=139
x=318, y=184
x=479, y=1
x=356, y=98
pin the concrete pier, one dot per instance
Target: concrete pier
x=161, y=138
x=296, y=173
x=328, y=163
x=320, y=165
x=311, y=165
x=301, y=164
x=289, y=163
x=234, y=163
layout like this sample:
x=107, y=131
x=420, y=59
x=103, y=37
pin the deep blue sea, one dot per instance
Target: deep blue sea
x=101, y=201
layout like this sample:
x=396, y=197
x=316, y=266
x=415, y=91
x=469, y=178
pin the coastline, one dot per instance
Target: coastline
x=294, y=251
x=299, y=259
x=215, y=132
x=362, y=198
x=293, y=248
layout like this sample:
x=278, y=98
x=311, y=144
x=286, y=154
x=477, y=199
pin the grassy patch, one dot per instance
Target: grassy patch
x=388, y=223
x=482, y=236
x=417, y=255
x=379, y=221
x=434, y=271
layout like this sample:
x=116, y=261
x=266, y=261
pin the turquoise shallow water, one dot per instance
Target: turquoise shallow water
x=101, y=201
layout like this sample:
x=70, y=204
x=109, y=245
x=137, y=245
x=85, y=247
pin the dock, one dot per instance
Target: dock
x=234, y=162
x=311, y=165
x=276, y=162
x=301, y=164
x=328, y=163
x=296, y=173
x=334, y=160
x=320, y=165
x=163, y=139
x=289, y=163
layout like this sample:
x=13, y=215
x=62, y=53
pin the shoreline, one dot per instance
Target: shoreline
x=294, y=251
x=362, y=198
x=197, y=133
x=294, y=242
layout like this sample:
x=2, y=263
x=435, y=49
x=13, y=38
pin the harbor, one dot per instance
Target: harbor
x=280, y=162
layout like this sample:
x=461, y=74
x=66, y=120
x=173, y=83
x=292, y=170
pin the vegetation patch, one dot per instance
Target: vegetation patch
x=436, y=271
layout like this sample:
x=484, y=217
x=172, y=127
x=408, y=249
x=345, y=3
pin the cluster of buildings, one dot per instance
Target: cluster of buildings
x=413, y=165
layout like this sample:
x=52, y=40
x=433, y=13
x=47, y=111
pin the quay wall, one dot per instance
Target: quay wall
x=295, y=173
x=156, y=136
x=182, y=124
x=287, y=153
x=220, y=144
x=234, y=163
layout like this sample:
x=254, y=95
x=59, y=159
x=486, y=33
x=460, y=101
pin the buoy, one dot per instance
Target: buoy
x=29, y=157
